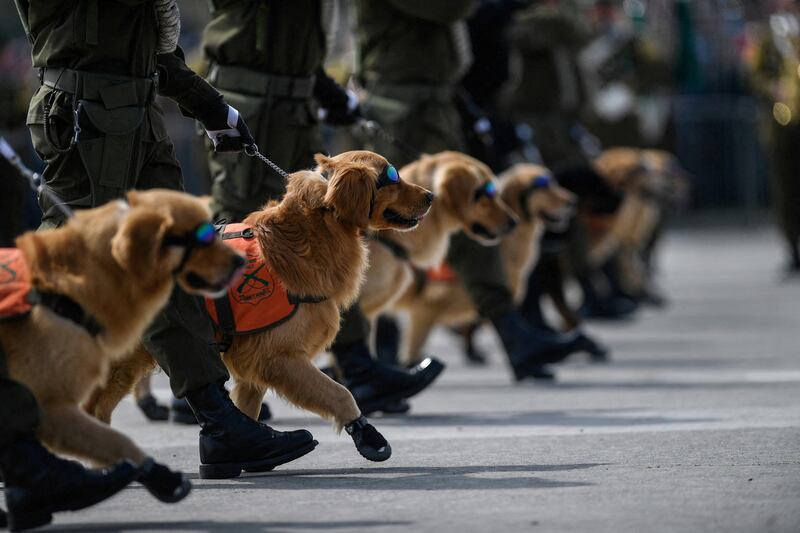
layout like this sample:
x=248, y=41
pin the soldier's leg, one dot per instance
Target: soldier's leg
x=19, y=412
x=181, y=336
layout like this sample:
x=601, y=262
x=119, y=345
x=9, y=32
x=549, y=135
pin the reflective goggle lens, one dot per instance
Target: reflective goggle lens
x=205, y=234
x=490, y=189
x=392, y=174
x=540, y=182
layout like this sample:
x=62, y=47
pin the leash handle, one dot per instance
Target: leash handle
x=33, y=178
x=252, y=151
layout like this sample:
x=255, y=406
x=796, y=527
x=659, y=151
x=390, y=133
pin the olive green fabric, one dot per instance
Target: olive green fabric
x=120, y=37
x=395, y=58
x=409, y=41
x=286, y=131
x=284, y=38
x=550, y=94
x=120, y=148
x=274, y=38
x=19, y=412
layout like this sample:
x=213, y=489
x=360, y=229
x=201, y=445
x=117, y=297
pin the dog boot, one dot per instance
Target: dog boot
x=529, y=350
x=153, y=410
x=375, y=385
x=230, y=441
x=369, y=442
x=38, y=484
x=183, y=414
x=163, y=483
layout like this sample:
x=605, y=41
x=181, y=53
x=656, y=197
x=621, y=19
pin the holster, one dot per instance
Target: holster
x=109, y=112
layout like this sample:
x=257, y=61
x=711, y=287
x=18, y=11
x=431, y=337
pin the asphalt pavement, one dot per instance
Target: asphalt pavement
x=693, y=426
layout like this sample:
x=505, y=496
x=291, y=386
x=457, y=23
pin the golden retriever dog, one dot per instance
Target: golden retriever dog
x=465, y=200
x=100, y=281
x=313, y=242
x=538, y=202
x=652, y=182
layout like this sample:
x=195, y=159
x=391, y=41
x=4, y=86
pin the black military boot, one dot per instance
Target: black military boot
x=387, y=340
x=530, y=350
x=230, y=441
x=376, y=385
x=181, y=413
x=153, y=410
x=38, y=484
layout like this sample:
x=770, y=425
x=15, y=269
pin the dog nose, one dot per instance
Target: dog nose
x=238, y=261
x=429, y=197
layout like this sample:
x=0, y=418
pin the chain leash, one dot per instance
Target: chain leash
x=252, y=151
x=34, y=178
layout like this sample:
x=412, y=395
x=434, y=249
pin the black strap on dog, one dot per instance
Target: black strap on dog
x=66, y=307
x=397, y=249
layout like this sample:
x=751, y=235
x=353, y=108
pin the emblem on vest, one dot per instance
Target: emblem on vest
x=256, y=284
x=8, y=268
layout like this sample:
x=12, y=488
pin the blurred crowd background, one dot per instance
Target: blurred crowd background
x=714, y=81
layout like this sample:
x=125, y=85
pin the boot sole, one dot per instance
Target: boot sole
x=378, y=404
x=232, y=470
x=23, y=521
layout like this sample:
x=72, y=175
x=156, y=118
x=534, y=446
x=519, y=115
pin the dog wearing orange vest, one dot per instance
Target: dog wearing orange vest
x=97, y=283
x=539, y=202
x=313, y=244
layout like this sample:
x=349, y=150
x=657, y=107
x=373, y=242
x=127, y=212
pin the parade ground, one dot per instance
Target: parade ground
x=693, y=426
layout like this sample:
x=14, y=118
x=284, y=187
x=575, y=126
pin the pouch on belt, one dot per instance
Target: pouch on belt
x=108, y=136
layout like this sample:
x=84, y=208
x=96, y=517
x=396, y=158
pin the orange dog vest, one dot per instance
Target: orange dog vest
x=443, y=272
x=15, y=284
x=256, y=300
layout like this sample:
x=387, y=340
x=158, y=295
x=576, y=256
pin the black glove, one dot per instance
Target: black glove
x=338, y=107
x=229, y=133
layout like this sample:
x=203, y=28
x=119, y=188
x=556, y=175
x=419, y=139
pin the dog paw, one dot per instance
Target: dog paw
x=369, y=442
x=163, y=483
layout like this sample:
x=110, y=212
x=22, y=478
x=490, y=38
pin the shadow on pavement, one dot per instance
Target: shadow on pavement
x=478, y=477
x=239, y=527
x=573, y=418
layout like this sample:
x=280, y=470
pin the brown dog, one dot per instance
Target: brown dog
x=101, y=279
x=464, y=201
x=312, y=241
x=539, y=202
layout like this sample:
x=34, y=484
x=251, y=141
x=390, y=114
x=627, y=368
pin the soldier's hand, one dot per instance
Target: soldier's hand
x=342, y=113
x=229, y=133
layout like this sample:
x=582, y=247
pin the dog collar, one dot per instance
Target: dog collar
x=397, y=249
x=539, y=182
x=67, y=308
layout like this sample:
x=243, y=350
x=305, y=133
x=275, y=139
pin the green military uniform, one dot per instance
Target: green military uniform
x=19, y=413
x=264, y=57
x=550, y=93
x=412, y=55
x=777, y=76
x=98, y=60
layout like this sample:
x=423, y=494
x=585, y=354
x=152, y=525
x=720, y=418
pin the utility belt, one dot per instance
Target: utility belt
x=100, y=116
x=244, y=80
x=113, y=91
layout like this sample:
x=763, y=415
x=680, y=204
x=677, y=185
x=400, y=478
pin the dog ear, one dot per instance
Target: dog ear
x=351, y=193
x=138, y=244
x=457, y=188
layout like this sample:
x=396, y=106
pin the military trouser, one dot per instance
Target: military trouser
x=96, y=170
x=19, y=412
x=556, y=141
x=426, y=118
x=284, y=125
x=786, y=181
